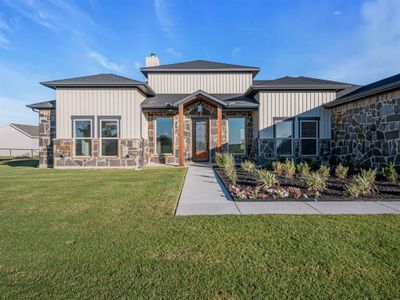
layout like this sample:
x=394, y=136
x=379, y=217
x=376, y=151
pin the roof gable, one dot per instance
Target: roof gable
x=199, y=66
x=29, y=130
x=100, y=80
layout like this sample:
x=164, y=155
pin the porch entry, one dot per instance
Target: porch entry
x=200, y=141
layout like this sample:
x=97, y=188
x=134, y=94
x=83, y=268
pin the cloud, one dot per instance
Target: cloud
x=14, y=110
x=163, y=16
x=235, y=52
x=375, y=45
x=337, y=12
x=105, y=62
x=4, y=29
x=173, y=53
x=137, y=65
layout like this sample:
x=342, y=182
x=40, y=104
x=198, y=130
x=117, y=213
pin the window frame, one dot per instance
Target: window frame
x=74, y=120
x=245, y=134
x=316, y=138
x=100, y=120
x=284, y=119
x=156, y=135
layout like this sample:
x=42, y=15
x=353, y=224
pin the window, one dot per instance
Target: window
x=164, y=135
x=284, y=136
x=109, y=130
x=83, y=137
x=309, y=137
x=236, y=135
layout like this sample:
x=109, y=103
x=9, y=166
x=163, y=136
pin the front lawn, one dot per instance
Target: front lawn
x=112, y=234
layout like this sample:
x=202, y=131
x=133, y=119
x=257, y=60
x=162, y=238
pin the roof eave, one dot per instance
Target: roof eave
x=143, y=87
x=254, y=89
x=145, y=71
x=372, y=92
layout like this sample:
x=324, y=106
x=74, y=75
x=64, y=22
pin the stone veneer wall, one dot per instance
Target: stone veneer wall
x=188, y=115
x=131, y=154
x=267, y=153
x=367, y=132
x=47, y=132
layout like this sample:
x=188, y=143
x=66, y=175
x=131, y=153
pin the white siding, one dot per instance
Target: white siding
x=187, y=83
x=13, y=138
x=294, y=104
x=123, y=102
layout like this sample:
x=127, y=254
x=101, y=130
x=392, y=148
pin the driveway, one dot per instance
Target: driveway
x=204, y=194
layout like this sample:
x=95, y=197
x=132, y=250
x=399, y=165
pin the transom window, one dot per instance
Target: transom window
x=236, y=135
x=109, y=130
x=284, y=137
x=83, y=137
x=164, y=135
x=309, y=137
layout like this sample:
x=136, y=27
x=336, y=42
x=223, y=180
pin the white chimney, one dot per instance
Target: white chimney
x=152, y=60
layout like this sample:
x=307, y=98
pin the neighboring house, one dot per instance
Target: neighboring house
x=187, y=112
x=19, y=140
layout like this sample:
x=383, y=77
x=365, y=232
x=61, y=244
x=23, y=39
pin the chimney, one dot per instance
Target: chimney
x=152, y=60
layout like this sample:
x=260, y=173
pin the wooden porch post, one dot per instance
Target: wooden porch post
x=219, y=125
x=181, y=137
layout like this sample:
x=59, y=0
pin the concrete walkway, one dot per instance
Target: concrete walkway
x=203, y=194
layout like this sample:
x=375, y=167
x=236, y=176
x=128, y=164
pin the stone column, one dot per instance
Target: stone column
x=47, y=132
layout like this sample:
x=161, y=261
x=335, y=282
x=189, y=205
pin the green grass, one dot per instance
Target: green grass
x=112, y=234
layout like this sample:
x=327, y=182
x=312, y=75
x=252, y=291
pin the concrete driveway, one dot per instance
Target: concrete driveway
x=204, y=194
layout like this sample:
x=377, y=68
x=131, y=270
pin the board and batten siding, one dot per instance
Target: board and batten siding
x=122, y=102
x=294, y=104
x=187, y=83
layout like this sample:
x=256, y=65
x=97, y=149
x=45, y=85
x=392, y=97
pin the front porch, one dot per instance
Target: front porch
x=196, y=128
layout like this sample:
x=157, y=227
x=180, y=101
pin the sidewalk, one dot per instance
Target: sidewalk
x=203, y=194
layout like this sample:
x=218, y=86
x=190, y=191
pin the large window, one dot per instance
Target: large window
x=109, y=130
x=83, y=137
x=284, y=136
x=236, y=135
x=309, y=137
x=164, y=135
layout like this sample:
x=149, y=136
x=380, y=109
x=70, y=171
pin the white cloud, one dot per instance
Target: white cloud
x=14, y=110
x=105, y=62
x=375, y=45
x=4, y=29
x=337, y=12
x=174, y=53
x=137, y=65
x=235, y=51
x=163, y=17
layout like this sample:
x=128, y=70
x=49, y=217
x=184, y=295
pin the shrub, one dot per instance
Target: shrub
x=315, y=182
x=362, y=184
x=341, y=171
x=303, y=169
x=324, y=171
x=390, y=173
x=289, y=168
x=278, y=167
x=230, y=169
x=267, y=179
x=248, y=166
x=269, y=166
x=220, y=160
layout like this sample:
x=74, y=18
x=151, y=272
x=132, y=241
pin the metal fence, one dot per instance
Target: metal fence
x=18, y=152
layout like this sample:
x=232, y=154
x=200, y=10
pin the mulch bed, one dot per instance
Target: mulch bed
x=335, y=188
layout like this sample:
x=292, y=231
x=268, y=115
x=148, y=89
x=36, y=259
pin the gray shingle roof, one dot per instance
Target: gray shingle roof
x=100, y=80
x=43, y=105
x=376, y=87
x=233, y=101
x=29, y=130
x=296, y=83
x=199, y=66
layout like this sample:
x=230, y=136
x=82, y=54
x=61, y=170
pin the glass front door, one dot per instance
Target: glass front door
x=200, y=140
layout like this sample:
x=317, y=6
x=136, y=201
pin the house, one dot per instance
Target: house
x=185, y=112
x=19, y=140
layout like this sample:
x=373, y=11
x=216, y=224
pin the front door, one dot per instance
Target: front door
x=200, y=139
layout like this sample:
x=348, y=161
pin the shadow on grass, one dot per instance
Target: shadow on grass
x=33, y=163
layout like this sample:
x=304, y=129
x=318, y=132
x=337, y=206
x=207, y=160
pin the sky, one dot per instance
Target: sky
x=345, y=40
